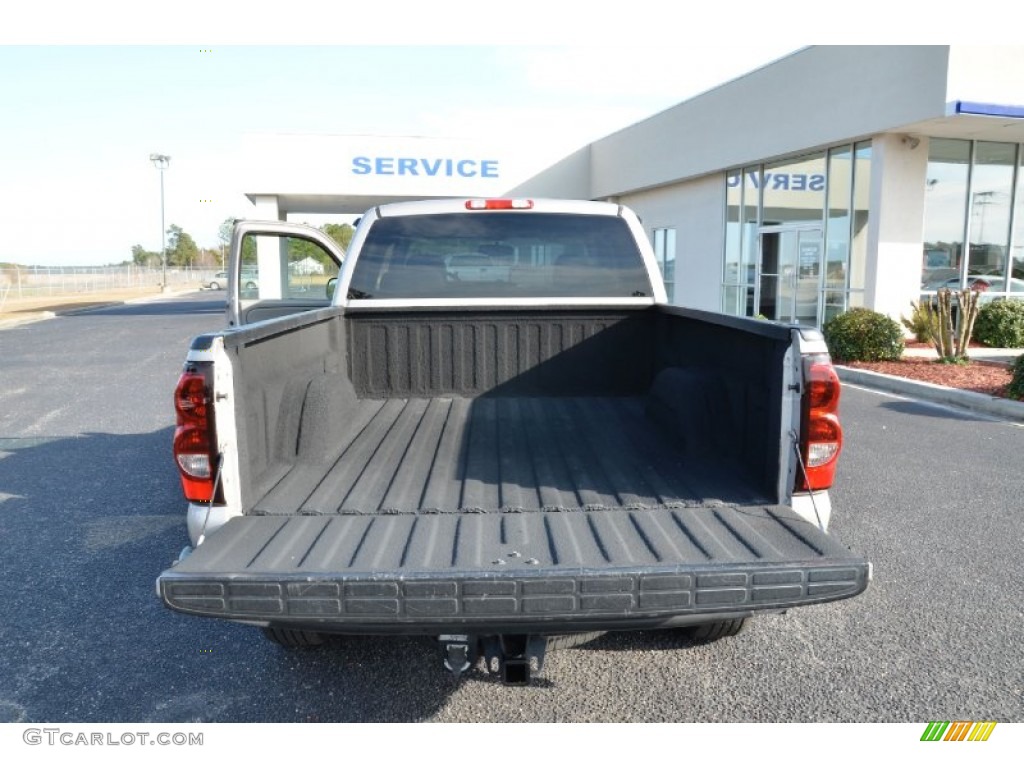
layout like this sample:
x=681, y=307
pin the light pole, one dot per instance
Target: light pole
x=160, y=162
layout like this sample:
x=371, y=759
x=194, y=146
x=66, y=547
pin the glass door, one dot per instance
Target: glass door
x=790, y=274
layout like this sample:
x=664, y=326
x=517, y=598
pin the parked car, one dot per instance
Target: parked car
x=977, y=283
x=217, y=282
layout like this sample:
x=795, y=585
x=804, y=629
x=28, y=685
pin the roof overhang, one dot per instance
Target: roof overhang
x=973, y=120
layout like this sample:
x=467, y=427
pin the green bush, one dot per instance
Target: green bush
x=1016, y=388
x=1000, y=323
x=862, y=334
x=918, y=324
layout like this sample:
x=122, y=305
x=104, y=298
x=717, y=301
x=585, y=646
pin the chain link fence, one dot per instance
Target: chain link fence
x=18, y=282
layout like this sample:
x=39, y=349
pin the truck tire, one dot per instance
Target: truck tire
x=715, y=630
x=293, y=638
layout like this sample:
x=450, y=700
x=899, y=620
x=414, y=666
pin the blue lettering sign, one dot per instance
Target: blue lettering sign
x=416, y=166
x=789, y=182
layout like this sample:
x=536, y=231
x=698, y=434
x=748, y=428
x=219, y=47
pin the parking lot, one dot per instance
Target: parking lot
x=91, y=512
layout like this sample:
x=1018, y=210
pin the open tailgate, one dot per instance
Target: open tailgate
x=514, y=571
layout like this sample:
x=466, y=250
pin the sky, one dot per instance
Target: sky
x=81, y=122
x=89, y=90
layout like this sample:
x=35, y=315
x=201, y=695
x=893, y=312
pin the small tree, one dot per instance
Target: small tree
x=340, y=233
x=950, y=335
x=143, y=258
x=182, y=250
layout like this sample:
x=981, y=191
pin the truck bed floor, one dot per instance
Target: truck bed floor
x=496, y=515
x=502, y=454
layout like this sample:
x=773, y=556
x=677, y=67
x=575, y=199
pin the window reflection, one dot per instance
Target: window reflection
x=972, y=202
x=828, y=191
x=665, y=251
x=794, y=191
x=1017, y=248
x=991, y=193
x=945, y=208
x=861, y=198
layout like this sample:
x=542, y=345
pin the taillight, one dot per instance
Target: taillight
x=499, y=204
x=821, y=436
x=194, y=443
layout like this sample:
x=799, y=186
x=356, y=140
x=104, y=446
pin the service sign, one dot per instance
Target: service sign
x=466, y=168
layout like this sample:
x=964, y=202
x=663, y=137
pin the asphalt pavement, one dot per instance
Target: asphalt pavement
x=91, y=512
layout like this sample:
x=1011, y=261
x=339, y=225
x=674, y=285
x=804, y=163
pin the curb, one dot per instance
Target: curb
x=998, y=407
x=71, y=311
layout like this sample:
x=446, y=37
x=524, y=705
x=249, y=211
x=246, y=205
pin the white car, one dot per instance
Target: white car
x=217, y=282
x=977, y=283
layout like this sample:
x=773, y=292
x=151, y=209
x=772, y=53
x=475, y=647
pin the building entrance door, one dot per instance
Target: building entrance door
x=789, y=274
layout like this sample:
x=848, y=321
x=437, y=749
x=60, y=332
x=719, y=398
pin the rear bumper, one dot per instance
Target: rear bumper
x=269, y=570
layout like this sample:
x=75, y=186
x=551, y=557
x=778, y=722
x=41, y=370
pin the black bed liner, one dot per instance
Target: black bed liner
x=510, y=472
x=449, y=454
x=525, y=571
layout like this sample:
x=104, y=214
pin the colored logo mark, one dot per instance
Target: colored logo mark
x=958, y=731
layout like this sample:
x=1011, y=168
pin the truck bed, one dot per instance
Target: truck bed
x=508, y=471
x=452, y=454
x=509, y=514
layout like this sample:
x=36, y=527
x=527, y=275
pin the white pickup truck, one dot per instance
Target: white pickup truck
x=499, y=434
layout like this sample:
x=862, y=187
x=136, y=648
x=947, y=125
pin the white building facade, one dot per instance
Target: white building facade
x=833, y=178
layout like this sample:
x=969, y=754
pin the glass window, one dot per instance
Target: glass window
x=766, y=204
x=733, y=200
x=738, y=300
x=665, y=251
x=751, y=205
x=837, y=230
x=742, y=201
x=794, y=191
x=859, y=223
x=293, y=268
x=499, y=254
x=945, y=211
x=991, y=197
x=1017, y=249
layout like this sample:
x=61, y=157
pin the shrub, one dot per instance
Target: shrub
x=918, y=323
x=1016, y=388
x=1000, y=323
x=862, y=334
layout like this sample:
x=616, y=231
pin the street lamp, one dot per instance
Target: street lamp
x=160, y=162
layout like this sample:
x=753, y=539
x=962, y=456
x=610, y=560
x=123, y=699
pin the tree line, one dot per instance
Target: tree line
x=182, y=250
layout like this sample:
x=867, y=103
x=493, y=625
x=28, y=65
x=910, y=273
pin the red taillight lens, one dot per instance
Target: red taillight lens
x=822, y=385
x=821, y=438
x=499, y=204
x=190, y=398
x=193, y=439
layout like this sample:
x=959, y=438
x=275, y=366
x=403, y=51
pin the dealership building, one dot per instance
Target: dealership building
x=835, y=177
